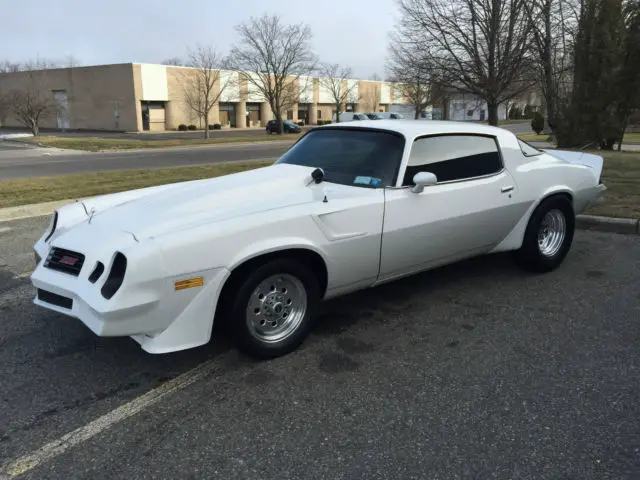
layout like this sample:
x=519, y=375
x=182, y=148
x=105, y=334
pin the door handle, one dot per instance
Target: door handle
x=506, y=189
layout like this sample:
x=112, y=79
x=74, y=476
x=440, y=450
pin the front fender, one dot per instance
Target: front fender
x=271, y=245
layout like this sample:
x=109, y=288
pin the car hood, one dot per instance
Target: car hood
x=150, y=212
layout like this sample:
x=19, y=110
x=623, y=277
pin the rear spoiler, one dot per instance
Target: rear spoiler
x=580, y=158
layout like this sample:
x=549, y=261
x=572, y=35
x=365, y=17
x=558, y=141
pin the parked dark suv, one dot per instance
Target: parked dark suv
x=288, y=125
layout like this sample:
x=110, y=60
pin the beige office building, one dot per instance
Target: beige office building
x=146, y=97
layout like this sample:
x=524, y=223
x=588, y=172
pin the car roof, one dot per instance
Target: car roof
x=414, y=128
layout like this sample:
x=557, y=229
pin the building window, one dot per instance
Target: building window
x=319, y=114
x=469, y=113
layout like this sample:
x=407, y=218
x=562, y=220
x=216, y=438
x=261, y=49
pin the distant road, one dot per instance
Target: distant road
x=168, y=135
x=18, y=161
x=22, y=163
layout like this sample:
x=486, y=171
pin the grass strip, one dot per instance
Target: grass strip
x=97, y=144
x=621, y=174
x=44, y=189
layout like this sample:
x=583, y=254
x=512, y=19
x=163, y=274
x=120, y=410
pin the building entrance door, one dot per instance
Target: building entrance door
x=62, y=113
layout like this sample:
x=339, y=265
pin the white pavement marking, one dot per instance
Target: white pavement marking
x=23, y=275
x=84, y=433
x=5, y=229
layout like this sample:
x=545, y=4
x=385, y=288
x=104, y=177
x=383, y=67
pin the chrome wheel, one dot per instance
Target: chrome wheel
x=276, y=308
x=552, y=232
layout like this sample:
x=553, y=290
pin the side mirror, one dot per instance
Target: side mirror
x=423, y=179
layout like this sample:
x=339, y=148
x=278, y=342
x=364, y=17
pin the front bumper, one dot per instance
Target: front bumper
x=147, y=307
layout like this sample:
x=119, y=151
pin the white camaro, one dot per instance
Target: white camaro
x=349, y=206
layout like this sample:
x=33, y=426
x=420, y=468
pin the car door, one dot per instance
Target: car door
x=470, y=209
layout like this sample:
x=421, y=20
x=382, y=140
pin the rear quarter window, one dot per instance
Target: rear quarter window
x=528, y=150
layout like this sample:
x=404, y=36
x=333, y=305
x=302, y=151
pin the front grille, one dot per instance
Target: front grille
x=55, y=299
x=65, y=261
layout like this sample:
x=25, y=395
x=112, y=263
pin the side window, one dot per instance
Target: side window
x=453, y=157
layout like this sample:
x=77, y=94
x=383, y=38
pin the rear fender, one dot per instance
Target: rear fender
x=590, y=160
x=514, y=239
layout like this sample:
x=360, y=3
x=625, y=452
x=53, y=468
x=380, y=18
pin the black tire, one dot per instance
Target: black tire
x=244, y=336
x=530, y=255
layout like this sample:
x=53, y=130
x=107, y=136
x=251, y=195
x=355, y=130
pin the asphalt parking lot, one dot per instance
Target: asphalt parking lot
x=474, y=371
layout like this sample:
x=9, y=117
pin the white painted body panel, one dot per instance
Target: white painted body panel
x=365, y=236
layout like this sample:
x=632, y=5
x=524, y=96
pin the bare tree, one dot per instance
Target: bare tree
x=71, y=61
x=200, y=92
x=336, y=80
x=412, y=70
x=629, y=77
x=7, y=66
x=174, y=61
x=274, y=57
x=553, y=26
x=481, y=44
x=33, y=101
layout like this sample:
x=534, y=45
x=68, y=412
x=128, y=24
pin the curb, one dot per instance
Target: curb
x=626, y=226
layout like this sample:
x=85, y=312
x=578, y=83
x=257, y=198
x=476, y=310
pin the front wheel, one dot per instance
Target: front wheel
x=273, y=308
x=548, y=236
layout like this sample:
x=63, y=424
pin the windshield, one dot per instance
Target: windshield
x=358, y=157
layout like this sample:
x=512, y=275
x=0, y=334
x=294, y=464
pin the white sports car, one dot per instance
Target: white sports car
x=347, y=207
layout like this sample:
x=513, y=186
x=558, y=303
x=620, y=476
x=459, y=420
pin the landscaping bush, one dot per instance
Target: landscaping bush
x=217, y=126
x=528, y=112
x=192, y=127
x=537, y=123
x=301, y=123
x=182, y=127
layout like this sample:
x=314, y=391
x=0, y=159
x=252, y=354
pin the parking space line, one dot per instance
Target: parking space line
x=23, y=275
x=57, y=447
x=5, y=229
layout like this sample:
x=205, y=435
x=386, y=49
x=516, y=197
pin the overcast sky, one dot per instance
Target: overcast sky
x=350, y=32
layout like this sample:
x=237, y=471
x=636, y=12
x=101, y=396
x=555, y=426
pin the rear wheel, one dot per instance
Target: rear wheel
x=548, y=236
x=272, y=310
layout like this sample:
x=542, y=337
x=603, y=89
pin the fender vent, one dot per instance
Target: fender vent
x=116, y=276
x=97, y=272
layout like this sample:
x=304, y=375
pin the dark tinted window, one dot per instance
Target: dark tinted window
x=350, y=156
x=453, y=157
